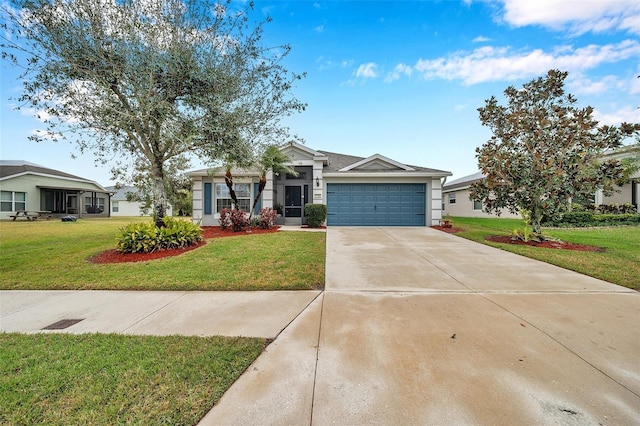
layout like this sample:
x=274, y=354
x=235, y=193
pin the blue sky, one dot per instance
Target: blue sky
x=405, y=78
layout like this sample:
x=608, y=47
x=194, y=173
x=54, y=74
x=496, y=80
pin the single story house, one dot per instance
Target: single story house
x=457, y=199
x=372, y=191
x=630, y=191
x=124, y=202
x=29, y=186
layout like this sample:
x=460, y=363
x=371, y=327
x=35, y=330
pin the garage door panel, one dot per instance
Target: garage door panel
x=376, y=204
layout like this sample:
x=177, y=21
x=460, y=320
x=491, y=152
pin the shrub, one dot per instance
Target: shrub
x=315, y=214
x=146, y=237
x=628, y=208
x=577, y=217
x=239, y=220
x=616, y=219
x=225, y=218
x=267, y=218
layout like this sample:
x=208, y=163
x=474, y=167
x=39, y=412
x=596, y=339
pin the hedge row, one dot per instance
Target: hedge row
x=586, y=218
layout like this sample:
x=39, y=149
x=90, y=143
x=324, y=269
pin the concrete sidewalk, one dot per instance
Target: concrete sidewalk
x=421, y=327
x=194, y=313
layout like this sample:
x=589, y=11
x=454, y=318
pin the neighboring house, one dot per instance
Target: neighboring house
x=28, y=186
x=375, y=191
x=123, y=202
x=629, y=192
x=457, y=201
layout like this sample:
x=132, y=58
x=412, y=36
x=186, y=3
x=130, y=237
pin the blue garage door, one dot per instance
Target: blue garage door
x=376, y=204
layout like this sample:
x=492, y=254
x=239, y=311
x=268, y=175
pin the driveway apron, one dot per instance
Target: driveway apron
x=417, y=326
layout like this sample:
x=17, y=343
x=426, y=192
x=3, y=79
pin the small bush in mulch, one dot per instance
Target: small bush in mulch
x=543, y=244
x=208, y=232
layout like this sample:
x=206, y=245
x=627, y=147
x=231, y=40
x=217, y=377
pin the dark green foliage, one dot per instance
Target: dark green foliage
x=315, y=214
x=577, y=217
x=146, y=237
x=582, y=219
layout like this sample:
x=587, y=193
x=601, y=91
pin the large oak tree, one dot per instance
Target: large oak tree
x=545, y=151
x=146, y=85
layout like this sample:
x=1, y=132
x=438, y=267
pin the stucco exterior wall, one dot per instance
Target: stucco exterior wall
x=464, y=206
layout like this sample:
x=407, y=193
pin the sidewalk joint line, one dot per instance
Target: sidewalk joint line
x=184, y=293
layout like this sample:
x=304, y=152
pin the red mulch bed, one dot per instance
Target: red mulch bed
x=208, y=232
x=545, y=244
x=448, y=230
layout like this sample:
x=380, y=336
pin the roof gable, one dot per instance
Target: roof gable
x=298, y=152
x=377, y=162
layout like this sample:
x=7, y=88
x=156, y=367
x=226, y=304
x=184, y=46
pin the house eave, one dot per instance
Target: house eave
x=387, y=174
x=27, y=173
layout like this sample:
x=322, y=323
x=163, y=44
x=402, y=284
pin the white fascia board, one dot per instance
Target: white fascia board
x=376, y=157
x=385, y=175
x=300, y=147
x=460, y=188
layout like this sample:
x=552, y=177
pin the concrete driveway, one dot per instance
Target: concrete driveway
x=420, y=327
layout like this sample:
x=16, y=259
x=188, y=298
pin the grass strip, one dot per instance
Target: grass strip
x=106, y=379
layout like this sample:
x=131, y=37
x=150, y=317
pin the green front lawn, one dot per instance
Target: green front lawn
x=108, y=379
x=619, y=263
x=53, y=255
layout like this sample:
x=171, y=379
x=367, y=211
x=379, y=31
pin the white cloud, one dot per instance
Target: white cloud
x=368, y=70
x=581, y=85
x=41, y=115
x=325, y=64
x=577, y=17
x=634, y=86
x=319, y=29
x=627, y=114
x=481, y=39
x=489, y=63
x=399, y=71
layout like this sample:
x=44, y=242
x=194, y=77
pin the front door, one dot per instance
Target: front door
x=293, y=201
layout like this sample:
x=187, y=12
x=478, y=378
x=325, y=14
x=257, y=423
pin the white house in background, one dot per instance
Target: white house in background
x=456, y=199
x=121, y=206
x=32, y=187
x=629, y=192
x=372, y=191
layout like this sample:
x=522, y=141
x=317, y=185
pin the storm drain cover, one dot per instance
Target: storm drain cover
x=62, y=324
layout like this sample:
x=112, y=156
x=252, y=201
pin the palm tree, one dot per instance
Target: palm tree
x=275, y=161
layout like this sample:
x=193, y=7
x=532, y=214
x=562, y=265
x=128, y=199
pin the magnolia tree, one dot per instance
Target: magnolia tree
x=146, y=85
x=545, y=151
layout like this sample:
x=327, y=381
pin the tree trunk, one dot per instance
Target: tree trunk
x=228, y=179
x=536, y=218
x=159, y=197
x=261, y=186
